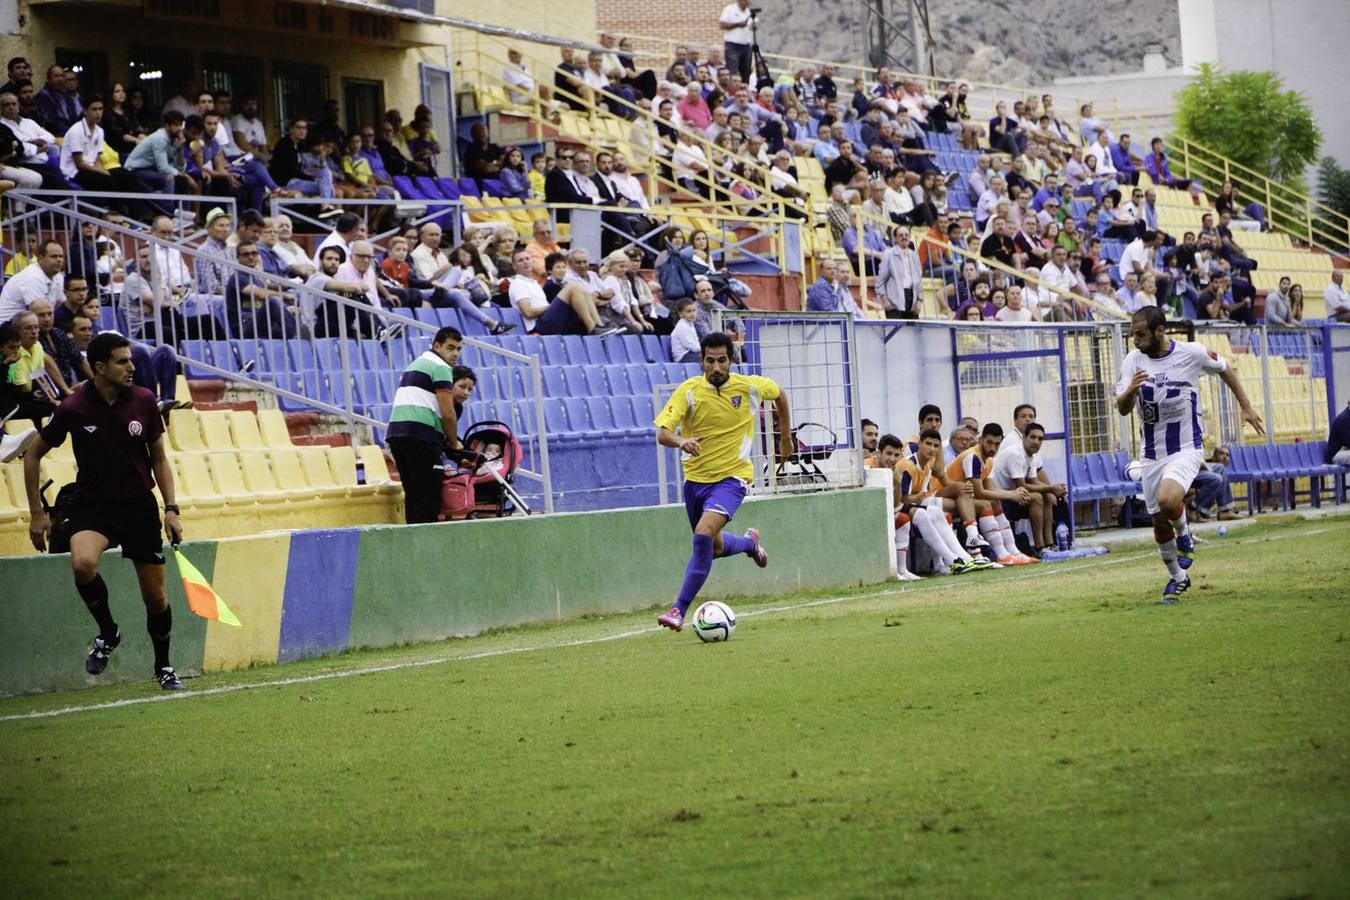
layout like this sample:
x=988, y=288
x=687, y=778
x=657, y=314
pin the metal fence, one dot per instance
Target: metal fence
x=286, y=342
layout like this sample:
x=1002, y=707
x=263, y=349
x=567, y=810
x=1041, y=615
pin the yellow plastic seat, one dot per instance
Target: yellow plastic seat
x=226, y=475
x=185, y=433
x=256, y=470
x=244, y=427
x=319, y=474
x=377, y=467
x=215, y=425
x=193, y=482
x=272, y=424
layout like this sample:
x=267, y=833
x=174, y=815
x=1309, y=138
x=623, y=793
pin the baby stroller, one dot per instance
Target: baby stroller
x=477, y=482
x=814, y=443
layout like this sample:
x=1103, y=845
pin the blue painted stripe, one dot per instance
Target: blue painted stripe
x=1197, y=433
x=316, y=614
x=1150, y=444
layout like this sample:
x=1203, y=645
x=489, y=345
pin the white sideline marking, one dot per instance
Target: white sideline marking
x=929, y=586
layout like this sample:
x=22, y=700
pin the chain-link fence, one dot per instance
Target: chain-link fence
x=811, y=356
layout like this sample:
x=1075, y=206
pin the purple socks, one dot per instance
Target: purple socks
x=700, y=563
x=733, y=544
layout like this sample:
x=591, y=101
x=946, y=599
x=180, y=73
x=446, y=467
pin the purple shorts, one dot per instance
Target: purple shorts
x=723, y=497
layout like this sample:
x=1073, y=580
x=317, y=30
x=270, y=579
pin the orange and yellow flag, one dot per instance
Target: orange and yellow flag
x=201, y=597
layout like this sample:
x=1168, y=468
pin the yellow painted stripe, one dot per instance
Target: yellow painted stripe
x=250, y=575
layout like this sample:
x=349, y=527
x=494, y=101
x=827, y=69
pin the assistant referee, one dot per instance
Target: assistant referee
x=118, y=438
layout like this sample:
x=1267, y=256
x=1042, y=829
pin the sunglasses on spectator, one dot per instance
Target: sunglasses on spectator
x=562, y=156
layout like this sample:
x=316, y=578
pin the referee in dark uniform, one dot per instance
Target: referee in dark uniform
x=118, y=438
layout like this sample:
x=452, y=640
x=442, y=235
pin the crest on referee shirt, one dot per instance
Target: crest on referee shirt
x=134, y=428
x=736, y=402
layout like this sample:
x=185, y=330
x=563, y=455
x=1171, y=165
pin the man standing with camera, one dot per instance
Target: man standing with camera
x=738, y=27
x=118, y=438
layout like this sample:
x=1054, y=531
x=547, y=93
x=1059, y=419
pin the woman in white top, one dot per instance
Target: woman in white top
x=627, y=312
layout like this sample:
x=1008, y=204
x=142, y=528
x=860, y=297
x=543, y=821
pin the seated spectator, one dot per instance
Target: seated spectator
x=1213, y=496
x=520, y=84
x=34, y=141
x=147, y=319
x=295, y=165
x=41, y=279
x=1335, y=296
x=1090, y=128
x=831, y=293
x=515, y=179
x=17, y=400
x=1210, y=304
x=684, y=346
x=1018, y=465
x=569, y=82
x=1015, y=310
x=482, y=158
x=58, y=347
x=35, y=373
x=626, y=311
x=81, y=151
x=1277, y=311
x=1252, y=217
x=1337, y=451
x=1127, y=161
x=705, y=305
x=253, y=307
x=572, y=309
x=432, y=266
x=155, y=160
x=75, y=303
x=60, y=109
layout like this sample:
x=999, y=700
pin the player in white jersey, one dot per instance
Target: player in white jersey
x=1161, y=378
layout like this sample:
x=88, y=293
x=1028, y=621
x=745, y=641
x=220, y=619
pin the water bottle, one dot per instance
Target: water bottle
x=360, y=470
x=1061, y=536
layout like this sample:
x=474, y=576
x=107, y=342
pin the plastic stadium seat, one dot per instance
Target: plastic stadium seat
x=272, y=425
x=555, y=417
x=318, y=473
x=429, y=187
x=575, y=378
x=194, y=483
x=617, y=378
x=639, y=379
x=597, y=385
x=244, y=427
x=302, y=355
x=407, y=188
x=215, y=425
x=185, y=434
x=227, y=476
x=377, y=467
x=597, y=351
x=598, y=410
x=574, y=346
x=580, y=418
x=622, y=410
x=449, y=188
x=644, y=409
x=256, y=471
x=469, y=188
x=555, y=385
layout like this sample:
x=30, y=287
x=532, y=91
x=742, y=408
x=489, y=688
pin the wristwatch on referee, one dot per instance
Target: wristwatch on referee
x=172, y=508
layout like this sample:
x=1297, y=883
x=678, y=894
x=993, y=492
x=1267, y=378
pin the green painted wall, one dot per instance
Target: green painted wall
x=517, y=570
x=428, y=582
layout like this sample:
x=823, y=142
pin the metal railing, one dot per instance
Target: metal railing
x=295, y=342
x=1287, y=209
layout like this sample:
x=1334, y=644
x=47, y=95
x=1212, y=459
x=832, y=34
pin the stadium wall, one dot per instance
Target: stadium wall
x=308, y=593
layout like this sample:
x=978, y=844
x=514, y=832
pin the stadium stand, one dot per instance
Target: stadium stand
x=768, y=226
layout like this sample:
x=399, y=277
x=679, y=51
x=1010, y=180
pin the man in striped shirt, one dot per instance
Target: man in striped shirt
x=425, y=420
x=1161, y=378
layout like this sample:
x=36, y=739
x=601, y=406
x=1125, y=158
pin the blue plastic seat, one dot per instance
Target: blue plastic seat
x=449, y=188
x=598, y=410
x=574, y=348
x=621, y=409
x=555, y=385
x=617, y=377
x=597, y=385
x=575, y=376
x=551, y=350
x=408, y=188
x=652, y=349
x=643, y=408
x=639, y=379
x=429, y=187
x=579, y=417
x=626, y=348
x=469, y=188
x=555, y=417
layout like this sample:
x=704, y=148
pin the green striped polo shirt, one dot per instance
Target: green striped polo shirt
x=416, y=413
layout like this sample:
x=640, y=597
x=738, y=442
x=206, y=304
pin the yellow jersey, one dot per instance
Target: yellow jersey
x=723, y=420
x=969, y=464
x=910, y=478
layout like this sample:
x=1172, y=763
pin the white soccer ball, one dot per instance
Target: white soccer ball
x=714, y=621
x=1134, y=470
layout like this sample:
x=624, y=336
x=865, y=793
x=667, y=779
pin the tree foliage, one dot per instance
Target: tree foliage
x=1251, y=119
x=1333, y=185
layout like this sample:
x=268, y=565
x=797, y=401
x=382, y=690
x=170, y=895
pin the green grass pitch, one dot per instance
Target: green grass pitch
x=1047, y=731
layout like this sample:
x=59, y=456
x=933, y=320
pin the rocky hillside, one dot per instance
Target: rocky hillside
x=1004, y=41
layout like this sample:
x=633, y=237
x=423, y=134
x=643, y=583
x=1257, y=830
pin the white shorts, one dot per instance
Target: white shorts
x=1180, y=467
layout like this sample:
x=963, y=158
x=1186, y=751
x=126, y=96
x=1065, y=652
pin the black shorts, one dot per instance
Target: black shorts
x=134, y=524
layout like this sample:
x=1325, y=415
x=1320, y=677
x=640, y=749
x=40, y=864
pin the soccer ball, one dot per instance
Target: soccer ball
x=714, y=621
x=1134, y=470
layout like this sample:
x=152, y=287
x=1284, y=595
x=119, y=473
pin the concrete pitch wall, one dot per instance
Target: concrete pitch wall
x=307, y=593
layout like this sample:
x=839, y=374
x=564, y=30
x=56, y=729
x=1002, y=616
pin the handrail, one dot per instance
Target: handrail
x=1287, y=209
x=789, y=64
x=389, y=317
x=862, y=218
x=710, y=150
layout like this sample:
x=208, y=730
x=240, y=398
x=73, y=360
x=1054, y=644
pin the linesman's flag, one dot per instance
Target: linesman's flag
x=201, y=597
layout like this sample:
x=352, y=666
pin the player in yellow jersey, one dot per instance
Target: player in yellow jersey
x=711, y=419
x=918, y=481
x=976, y=466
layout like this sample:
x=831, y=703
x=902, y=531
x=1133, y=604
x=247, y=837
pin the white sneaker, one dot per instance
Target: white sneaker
x=13, y=446
x=941, y=569
x=976, y=542
x=903, y=575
